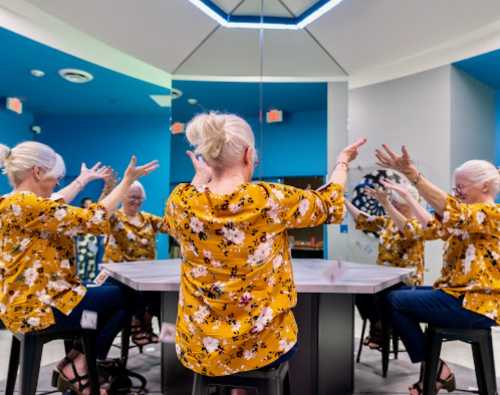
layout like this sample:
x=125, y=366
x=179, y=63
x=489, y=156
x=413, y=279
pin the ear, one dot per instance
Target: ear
x=485, y=188
x=248, y=156
x=36, y=173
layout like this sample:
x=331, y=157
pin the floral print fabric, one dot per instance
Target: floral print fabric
x=400, y=249
x=37, y=258
x=237, y=290
x=132, y=239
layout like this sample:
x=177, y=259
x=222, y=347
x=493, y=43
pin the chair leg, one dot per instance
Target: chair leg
x=395, y=344
x=89, y=349
x=361, y=340
x=286, y=386
x=125, y=340
x=31, y=358
x=15, y=349
x=386, y=348
x=434, y=343
x=199, y=387
x=485, y=369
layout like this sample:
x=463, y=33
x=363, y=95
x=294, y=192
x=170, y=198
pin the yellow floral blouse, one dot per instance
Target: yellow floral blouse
x=237, y=290
x=400, y=249
x=132, y=239
x=471, y=255
x=37, y=258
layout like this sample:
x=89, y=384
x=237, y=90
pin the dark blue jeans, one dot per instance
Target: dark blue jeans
x=110, y=305
x=411, y=306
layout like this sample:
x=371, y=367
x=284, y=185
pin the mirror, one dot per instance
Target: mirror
x=222, y=73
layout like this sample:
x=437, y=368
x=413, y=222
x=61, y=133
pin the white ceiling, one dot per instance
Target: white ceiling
x=370, y=39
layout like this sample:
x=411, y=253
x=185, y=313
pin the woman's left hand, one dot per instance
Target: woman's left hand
x=96, y=172
x=203, y=172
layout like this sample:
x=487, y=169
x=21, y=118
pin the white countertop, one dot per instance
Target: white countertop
x=311, y=276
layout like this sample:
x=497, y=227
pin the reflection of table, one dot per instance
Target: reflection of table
x=324, y=363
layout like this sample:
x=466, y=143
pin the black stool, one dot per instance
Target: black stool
x=482, y=351
x=27, y=349
x=386, y=345
x=273, y=381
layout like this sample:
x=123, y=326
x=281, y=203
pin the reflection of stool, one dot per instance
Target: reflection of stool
x=29, y=347
x=482, y=350
x=272, y=381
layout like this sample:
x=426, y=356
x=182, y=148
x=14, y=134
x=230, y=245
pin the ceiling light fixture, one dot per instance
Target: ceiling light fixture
x=76, y=76
x=37, y=73
x=256, y=22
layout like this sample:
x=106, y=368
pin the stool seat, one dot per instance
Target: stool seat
x=26, y=350
x=482, y=350
x=271, y=381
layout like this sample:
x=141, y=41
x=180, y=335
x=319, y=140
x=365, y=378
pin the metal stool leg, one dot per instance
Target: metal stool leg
x=89, y=349
x=434, y=342
x=360, y=348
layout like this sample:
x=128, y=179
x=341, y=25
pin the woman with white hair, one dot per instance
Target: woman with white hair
x=39, y=289
x=133, y=238
x=237, y=290
x=399, y=246
x=467, y=295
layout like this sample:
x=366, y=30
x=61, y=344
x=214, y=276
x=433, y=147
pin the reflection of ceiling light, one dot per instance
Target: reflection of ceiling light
x=76, y=76
x=162, y=100
x=249, y=22
x=192, y=101
x=37, y=73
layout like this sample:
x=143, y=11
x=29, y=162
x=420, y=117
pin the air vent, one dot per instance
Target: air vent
x=76, y=76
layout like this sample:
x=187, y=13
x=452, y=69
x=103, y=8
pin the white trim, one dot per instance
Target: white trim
x=27, y=20
x=480, y=41
x=189, y=77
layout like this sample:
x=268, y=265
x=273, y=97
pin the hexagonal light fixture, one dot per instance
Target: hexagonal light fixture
x=266, y=22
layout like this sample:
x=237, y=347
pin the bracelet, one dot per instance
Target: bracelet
x=418, y=178
x=342, y=163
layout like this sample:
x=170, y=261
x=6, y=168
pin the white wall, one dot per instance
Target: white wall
x=414, y=111
x=472, y=119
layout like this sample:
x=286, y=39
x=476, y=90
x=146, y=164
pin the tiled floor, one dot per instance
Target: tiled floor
x=368, y=378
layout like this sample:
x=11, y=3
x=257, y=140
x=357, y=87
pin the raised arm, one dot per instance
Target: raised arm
x=435, y=196
x=346, y=156
x=355, y=212
x=86, y=176
x=422, y=215
x=202, y=172
x=383, y=198
x=133, y=173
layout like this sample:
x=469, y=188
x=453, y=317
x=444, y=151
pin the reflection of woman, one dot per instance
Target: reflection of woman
x=133, y=238
x=399, y=246
x=237, y=290
x=38, y=286
x=468, y=293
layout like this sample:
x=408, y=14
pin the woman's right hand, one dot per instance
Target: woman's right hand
x=349, y=153
x=380, y=195
x=402, y=163
x=134, y=172
x=203, y=172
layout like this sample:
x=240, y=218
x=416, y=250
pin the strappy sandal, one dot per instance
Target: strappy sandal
x=449, y=384
x=141, y=336
x=78, y=384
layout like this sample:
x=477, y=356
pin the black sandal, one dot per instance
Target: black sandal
x=449, y=383
x=77, y=384
x=142, y=336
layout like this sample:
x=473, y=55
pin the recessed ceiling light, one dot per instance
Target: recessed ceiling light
x=37, y=73
x=76, y=76
x=192, y=101
x=176, y=93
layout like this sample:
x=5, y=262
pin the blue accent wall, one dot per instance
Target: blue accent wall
x=14, y=128
x=296, y=147
x=112, y=140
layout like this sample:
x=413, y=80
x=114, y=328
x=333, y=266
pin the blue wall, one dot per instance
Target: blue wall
x=112, y=140
x=14, y=128
x=497, y=121
x=296, y=147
